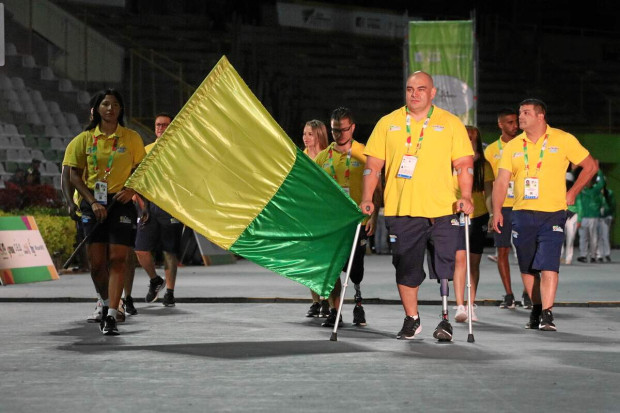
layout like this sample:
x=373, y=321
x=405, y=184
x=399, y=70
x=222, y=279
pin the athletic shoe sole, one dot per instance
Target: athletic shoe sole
x=547, y=327
x=405, y=337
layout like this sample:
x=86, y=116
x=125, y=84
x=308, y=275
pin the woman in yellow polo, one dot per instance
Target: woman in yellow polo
x=102, y=159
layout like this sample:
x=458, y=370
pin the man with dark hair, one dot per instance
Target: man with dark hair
x=419, y=144
x=538, y=159
x=33, y=176
x=157, y=226
x=508, y=123
x=344, y=160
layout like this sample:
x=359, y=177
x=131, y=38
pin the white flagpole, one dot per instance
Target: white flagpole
x=334, y=336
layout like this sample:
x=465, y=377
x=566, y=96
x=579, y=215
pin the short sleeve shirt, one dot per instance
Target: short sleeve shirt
x=562, y=148
x=128, y=154
x=493, y=153
x=478, y=197
x=338, y=160
x=430, y=192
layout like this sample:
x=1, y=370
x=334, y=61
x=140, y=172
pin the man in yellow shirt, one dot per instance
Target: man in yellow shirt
x=538, y=159
x=419, y=144
x=508, y=123
x=344, y=160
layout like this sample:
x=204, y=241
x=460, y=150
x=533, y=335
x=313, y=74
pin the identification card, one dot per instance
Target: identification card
x=407, y=166
x=511, y=189
x=531, y=188
x=101, y=192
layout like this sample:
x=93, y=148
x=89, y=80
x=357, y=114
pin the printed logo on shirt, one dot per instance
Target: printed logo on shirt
x=553, y=149
x=517, y=154
x=355, y=163
x=121, y=149
x=557, y=228
x=438, y=128
x=124, y=220
x=497, y=156
x=394, y=128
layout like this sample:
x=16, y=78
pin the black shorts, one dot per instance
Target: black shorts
x=410, y=237
x=503, y=239
x=160, y=227
x=118, y=228
x=477, y=234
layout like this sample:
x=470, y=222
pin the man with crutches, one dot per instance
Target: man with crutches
x=419, y=144
x=344, y=160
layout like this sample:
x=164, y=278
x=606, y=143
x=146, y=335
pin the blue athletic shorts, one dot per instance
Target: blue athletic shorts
x=118, y=228
x=502, y=240
x=538, y=238
x=411, y=237
x=477, y=235
x=161, y=227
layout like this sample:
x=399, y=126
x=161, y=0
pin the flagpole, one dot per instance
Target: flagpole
x=334, y=336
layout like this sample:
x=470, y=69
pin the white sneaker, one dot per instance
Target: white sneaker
x=492, y=258
x=474, y=317
x=95, y=317
x=461, y=314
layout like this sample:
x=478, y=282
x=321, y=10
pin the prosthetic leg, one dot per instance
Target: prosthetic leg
x=443, y=331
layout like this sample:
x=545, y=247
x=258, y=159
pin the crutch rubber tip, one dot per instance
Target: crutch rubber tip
x=470, y=338
x=334, y=337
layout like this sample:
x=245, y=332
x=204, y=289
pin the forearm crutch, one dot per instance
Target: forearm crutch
x=470, y=307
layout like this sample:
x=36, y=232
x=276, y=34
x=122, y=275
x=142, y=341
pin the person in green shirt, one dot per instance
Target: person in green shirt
x=608, y=210
x=588, y=214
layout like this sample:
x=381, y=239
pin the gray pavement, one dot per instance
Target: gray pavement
x=238, y=341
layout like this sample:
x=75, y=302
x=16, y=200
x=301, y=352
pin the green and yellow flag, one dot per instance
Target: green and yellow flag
x=225, y=168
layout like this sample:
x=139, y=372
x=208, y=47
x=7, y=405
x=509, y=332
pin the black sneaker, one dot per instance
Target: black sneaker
x=546, y=322
x=582, y=259
x=509, y=301
x=331, y=319
x=324, y=309
x=168, y=300
x=600, y=260
x=129, y=307
x=410, y=328
x=314, y=311
x=608, y=258
x=534, y=322
x=109, y=327
x=592, y=260
x=104, y=315
x=526, y=301
x=359, y=316
x=155, y=286
x=443, y=331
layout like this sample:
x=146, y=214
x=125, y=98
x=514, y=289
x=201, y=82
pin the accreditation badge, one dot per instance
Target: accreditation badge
x=101, y=192
x=407, y=166
x=511, y=189
x=531, y=188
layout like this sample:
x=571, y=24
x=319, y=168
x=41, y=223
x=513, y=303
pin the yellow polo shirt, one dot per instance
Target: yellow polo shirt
x=357, y=162
x=562, y=148
x=128, y=154
x=148, y=147
x=478, y=197
x=430, y=192
x=493, y=154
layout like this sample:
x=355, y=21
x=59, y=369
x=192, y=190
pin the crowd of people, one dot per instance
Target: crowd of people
x=422, y=170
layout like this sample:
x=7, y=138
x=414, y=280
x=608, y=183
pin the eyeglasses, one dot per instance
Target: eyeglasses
x=339, y=131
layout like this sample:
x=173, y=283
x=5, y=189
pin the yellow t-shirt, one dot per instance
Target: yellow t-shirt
x=148, y=147
x=77, y=198
x=478, y=197
x=128, y=154
x=493, y=153
x=562, y=148
x=357, y=163
x=430, y=192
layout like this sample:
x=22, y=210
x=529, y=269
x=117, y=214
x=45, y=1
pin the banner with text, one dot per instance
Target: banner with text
x=446, y=50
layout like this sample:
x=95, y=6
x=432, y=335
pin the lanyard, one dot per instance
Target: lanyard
x=540, y=158
x=348, y=164
x=499, y=144
x=408, y=122
x=110, y=159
